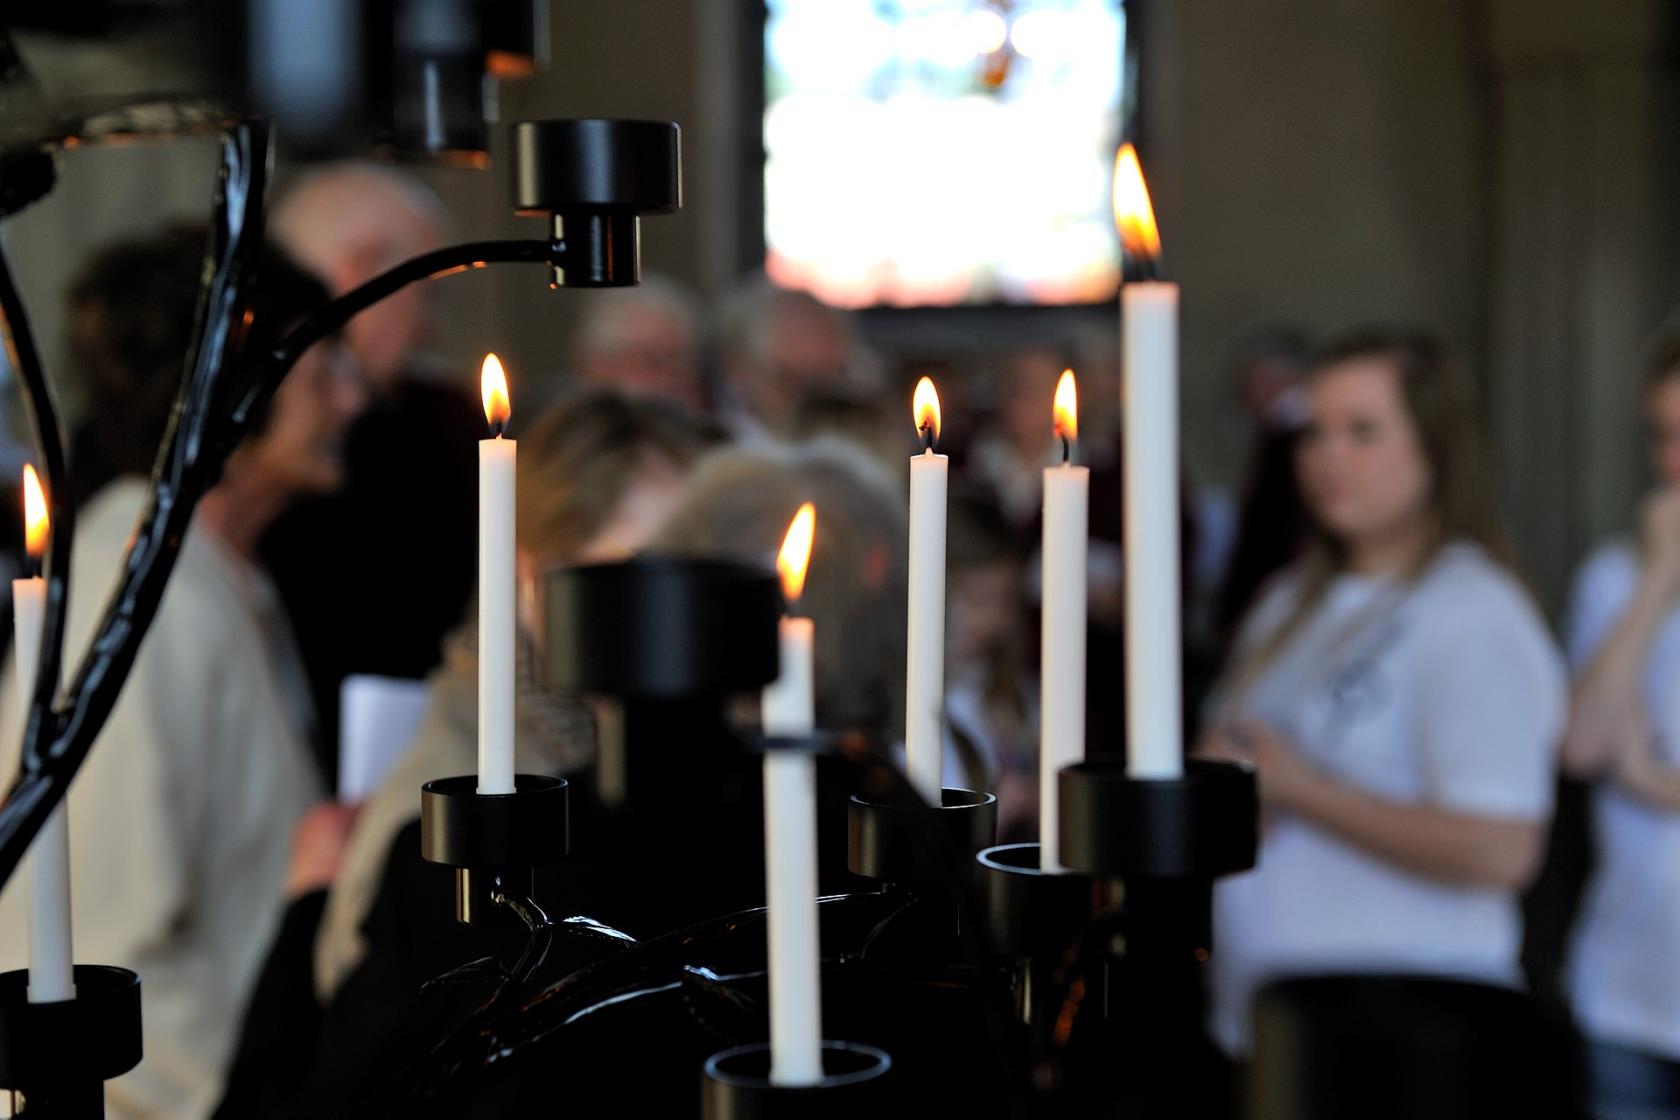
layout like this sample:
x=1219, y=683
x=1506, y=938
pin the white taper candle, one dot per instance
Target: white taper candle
x=1149, y=405
x=498, y=460
x=1154, y=720
x=790, y=837
x=924, y=689
x=51, y=956
x=1061, y=729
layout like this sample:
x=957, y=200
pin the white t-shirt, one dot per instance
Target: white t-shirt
x=1449, y=693
x=1623, y=975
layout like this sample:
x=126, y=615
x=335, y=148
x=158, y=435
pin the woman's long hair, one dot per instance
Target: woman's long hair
x=1461, y=506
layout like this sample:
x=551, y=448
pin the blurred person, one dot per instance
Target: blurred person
x=777, y=347
x=991, y=694
x=875, y=423
x=337, y=1008
x=127, y=341
x=184, y=812
x=1012, y=453
x=643, y=341
x=686, y=845
x=739, y=505
x=1268, y=370
x=402, y=560
x=1623, y=638
x=347, y=223
x=1398, y=695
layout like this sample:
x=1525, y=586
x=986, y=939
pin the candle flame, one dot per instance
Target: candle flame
x=925, y=407
x=795, y=556
x=493, y=380
x=1134, y=217
x=1066, y=407
x=35, y=521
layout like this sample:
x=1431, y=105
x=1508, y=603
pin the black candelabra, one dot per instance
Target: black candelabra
x=592, y=179
x=946, y=952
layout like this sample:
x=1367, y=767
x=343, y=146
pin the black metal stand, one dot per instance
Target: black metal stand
x=909, y=843
x=662, y=628
x=1199, y=826
x=1035, y=918
x=493, y=840
x=56, y=1057
x=1117, y=936
x=855, y=1084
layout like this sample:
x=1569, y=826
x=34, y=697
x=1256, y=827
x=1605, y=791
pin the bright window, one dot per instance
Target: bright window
x=928, y=152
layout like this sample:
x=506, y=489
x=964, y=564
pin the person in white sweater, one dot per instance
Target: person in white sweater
x=182, y=818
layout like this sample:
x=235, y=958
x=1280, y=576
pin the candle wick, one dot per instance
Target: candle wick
x=497, y=428
x=1067, y=451
x=927, y=439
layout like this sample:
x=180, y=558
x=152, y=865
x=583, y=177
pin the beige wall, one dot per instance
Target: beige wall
x=1492, y=170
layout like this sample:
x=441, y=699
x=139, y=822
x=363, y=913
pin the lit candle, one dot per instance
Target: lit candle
x=50, y=975
x=924, y=691
x=790, y=834
x=497, y=583
x=1149, y=401
x=1061, y=727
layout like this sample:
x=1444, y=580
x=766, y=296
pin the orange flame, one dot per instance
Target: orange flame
x=795, y=556
x=1134, y=217
x=493, y=380
x=924, y=406
x=1066, y=408
x=35, y=521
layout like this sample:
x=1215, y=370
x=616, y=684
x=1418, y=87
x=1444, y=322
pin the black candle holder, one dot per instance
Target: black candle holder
x=493, y=840
x=1031, y=912
x=58, y=1055
x=856, y=1082
x=1199, y=826
x=595, y=178
x=662, y=628
x=910, y=843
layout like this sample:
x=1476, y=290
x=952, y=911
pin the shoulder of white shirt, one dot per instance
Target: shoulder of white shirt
x=1465, y=590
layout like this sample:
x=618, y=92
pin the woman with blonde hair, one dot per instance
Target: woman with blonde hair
x=1397, y=693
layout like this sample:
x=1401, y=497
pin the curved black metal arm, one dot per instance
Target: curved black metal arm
x=200, y=437
x=57, y=740
x=267, y=374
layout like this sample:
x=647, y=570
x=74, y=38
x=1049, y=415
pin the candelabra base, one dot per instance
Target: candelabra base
x=56, y=1056
x=1029, y=911
x=1201, y=825
x=493, y=840
x=914, y=844
x=855, y=1082
x=661, y=628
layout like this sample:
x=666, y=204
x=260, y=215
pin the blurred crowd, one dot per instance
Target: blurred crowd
x=1357, y=631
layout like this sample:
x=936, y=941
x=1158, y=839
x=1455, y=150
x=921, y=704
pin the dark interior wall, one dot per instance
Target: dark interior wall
x=1501, y=170
x=1318, y=163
